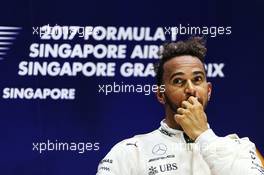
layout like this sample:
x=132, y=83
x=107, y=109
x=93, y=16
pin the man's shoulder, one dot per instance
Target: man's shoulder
x=234, y=137
x=135, y=141
x=125, y=155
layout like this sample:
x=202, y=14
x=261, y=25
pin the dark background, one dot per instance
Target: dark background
x=237, y=99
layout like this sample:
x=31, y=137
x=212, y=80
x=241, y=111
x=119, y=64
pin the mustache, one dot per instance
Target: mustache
x=174, y=106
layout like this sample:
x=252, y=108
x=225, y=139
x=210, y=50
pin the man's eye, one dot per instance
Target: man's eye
x=198, y=79
x=177, y=81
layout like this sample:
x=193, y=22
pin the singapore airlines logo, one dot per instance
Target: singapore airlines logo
x=159, y=149
x=7, y=36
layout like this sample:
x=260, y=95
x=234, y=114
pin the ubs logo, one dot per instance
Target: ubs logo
x=162, y=168
x=159, y=149
x=168, y=167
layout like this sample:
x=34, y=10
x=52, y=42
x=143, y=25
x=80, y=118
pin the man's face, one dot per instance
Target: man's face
x=184, y=76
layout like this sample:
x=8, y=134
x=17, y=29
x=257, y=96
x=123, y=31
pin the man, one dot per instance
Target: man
x=184, y=144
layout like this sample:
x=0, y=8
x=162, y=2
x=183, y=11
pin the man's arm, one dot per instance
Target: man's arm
x=226, y=155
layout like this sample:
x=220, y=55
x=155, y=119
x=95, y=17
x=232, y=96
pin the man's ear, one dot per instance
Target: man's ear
x=209, y=90
x=160, y=94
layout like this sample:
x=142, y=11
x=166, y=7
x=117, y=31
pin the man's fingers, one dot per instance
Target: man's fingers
x=193, y=100
x=186, y=104
x=178, y=118
x=180, y=111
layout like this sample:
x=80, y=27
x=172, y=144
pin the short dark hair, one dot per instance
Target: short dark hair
x=194, y=46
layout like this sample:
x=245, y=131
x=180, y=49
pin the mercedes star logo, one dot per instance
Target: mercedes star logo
x=159, y=149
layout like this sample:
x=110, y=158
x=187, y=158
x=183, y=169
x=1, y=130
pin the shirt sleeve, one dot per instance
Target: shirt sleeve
x=229, y=156
x=121, y=160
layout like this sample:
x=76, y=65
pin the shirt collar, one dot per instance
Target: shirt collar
x=165, y=129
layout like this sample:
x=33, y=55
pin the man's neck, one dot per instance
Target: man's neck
x=169, y=120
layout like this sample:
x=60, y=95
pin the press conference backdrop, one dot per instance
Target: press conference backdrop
x=77, y=76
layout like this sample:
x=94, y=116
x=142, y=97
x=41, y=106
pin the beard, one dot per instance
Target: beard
x=174, y=106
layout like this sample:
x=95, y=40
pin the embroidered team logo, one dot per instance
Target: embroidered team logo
x=159, y=149
x=152, y=170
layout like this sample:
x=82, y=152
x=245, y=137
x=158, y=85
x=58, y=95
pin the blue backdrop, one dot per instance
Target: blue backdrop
x=102, y=120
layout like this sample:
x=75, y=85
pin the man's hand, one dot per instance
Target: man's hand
x=192, y=118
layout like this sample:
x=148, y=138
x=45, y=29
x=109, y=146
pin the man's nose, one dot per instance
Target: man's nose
x=190, y=89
